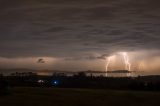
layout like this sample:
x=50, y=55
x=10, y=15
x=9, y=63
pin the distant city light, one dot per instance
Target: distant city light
x=40, y=81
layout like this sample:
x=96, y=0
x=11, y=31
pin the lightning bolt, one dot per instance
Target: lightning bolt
x=126, y=60
x=108, y=61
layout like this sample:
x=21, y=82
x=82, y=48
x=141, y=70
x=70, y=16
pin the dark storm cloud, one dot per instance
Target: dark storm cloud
x=74, y=28
x=40, y=61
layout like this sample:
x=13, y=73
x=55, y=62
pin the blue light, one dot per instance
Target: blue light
x=55, y=82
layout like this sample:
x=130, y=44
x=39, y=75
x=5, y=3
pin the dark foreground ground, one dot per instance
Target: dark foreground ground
x=78, y=97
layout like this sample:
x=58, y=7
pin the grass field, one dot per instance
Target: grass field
x=78, y=97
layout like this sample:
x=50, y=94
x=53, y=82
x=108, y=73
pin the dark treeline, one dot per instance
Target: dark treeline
x=79, y=81
x=3, y=85
x=126, y=83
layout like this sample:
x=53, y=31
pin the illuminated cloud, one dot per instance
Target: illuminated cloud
x=77, y=30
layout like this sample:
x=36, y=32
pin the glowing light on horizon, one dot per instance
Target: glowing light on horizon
x=141, y=66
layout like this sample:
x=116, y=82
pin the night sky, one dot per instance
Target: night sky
x=77, y=34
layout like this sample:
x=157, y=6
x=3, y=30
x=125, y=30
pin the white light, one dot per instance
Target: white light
x=40, y=81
